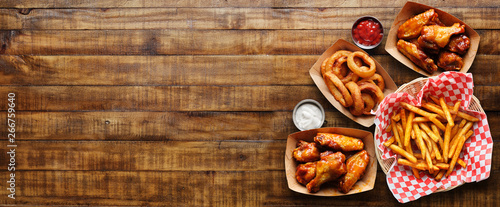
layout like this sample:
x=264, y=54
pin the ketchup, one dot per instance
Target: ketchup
x=368, y=32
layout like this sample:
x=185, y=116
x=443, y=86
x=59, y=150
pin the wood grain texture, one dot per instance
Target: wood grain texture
x=219, y=18
x=161, y=156
x=188, y=42
x=235, y=3
x=189, y=103
x=194, y=70
x=162, y=126
x=240, y=188
x=173, y=126
x=182, y=98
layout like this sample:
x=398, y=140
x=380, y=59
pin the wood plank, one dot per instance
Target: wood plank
x=148, y=156
x=156, y=70
x=159, y=98
x=188, y=42
x=236, y=3
x=160, y=126
x=181, y=98
x=193, y=70
x=173, y=126
x=253, y=188
x=154, y=156
x=219, y=18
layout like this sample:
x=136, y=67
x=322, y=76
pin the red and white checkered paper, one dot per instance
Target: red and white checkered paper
x=477, y=152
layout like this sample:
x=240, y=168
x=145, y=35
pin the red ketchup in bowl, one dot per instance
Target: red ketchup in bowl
x=367, y=31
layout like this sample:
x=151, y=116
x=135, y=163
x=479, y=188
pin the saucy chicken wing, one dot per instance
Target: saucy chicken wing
x=329, y=168
x=441, y=35
x=306, y=152
x=356, y=166
x=450, y=61
x=305, y=172
x=459, y=44
x=417, y=56
x=339, y=142
x=430, y=47
x=412, y=27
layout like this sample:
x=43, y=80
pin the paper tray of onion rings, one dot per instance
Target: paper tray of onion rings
x=352, y=83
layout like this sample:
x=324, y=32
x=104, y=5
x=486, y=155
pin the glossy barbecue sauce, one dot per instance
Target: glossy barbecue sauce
x=367, y=32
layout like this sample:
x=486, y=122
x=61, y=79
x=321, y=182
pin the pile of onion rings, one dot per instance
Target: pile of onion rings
x=352, y=79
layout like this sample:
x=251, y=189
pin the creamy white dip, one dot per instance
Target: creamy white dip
x=308, y=116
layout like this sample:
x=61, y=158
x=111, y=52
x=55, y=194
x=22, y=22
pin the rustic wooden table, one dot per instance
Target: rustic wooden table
x=189, y=103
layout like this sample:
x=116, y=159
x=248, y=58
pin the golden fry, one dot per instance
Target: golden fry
x=417, y=110
x=455, y=155
x=408, y=129
x=415, y=172
x=434, y=108
x=402, y=114
x=427, y=130
x=395, y=116
x=455, y=109
x=436, y=132
x=461, y=163
x=462, y=132
x=420, y=141
x=396, y=134
x=437, y=123
x=421, y=119
x=388, y=128
x=436, y=151
x=400, y=131
x=467, y=116
x=442, y=166
x=446, y=111
x=417, y=165
x=447, y=135
x=439, y=176
x=402, y=152
x=389, y=141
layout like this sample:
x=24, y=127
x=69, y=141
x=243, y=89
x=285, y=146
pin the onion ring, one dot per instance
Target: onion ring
x=328, y=63
x=338, y=67
x=375, y=79
x=358, y=106
x=361, y=71
x=369, y=103
x=338, y=90
x=350, y=77
x=373, y=89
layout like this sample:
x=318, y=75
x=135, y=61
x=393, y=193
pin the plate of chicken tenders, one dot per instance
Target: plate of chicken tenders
x=431, y=41
x=330, y=161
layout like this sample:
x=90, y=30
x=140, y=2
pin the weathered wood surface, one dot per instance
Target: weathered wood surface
x=189, y=103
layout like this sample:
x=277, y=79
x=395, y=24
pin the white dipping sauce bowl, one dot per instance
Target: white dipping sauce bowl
x=320, y=116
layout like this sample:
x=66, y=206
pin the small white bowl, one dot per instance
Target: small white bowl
x=315, y=103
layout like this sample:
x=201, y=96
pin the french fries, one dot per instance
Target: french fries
x=438, y=130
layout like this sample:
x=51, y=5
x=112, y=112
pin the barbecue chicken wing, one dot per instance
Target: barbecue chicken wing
x=306, y=152
x=412, y=27
x=356, y=166
x=305, y=172
x=430, y=47
x=417, y=56
x=329, y=168
x=441, y=35
x=339, y=142
x=450, y=61
x=459, y=44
